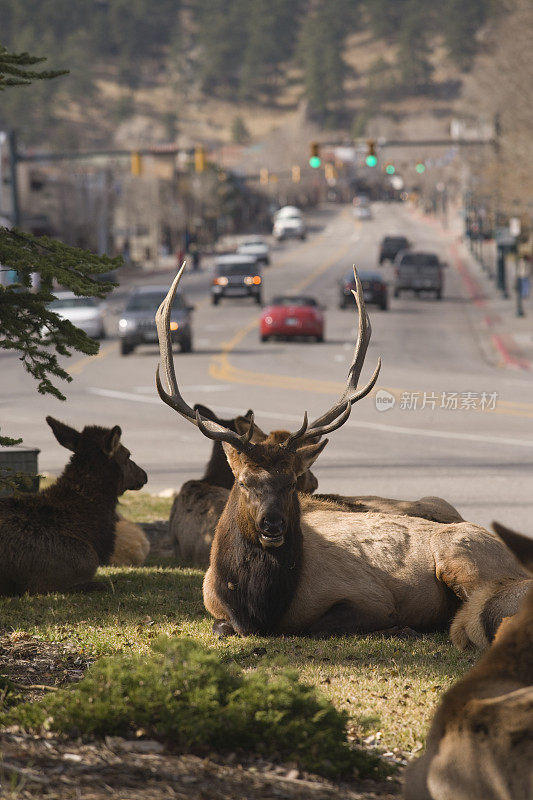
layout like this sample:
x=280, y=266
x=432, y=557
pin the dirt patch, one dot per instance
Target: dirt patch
x=61, y=769
x=30, y=662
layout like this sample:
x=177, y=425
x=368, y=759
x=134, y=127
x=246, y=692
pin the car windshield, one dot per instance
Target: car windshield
x=419, y=260
x=294, y=301
x=394, y=241
x=253, y=244
x=150, y=301
x=73, y=302
x=236, y=269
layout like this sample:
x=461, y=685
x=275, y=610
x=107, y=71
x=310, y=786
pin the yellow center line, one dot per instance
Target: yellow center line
x=80, y=365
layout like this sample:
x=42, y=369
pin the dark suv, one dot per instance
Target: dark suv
x=236, y=276
x=374, y=289
x=390, y=247
x=137, y=325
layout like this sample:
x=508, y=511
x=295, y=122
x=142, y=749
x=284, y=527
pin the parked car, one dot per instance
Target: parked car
x=390, y=247
x=257, y=247
x=419, y=272
x=84, y=312
x=290, y=316
x=236, y=276
x=289, y=226
x=375, y=290
x=137, y=325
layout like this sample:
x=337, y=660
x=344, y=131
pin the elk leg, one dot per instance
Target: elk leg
x=344, y=618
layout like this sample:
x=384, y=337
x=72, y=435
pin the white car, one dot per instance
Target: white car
x=289, y=227
x=287, y=211
x=84, y=312
x=255, y=247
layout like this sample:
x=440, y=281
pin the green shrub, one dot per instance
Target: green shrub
x=184, y=694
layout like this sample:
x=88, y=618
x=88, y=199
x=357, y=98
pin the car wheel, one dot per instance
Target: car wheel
x=396, y=293
x=438, y=294
x=126, y=348
x=384, y=305
x=214, y=299
x=264, y=338
x=320, y=338
x=303, y=237
x=186, y=345
x=102, y=334
x=342, y=302
x=258, y=299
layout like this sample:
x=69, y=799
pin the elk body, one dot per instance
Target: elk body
x=131, y=544
x=480, y=744
x=199, y=503
x=279, y=564
x=55, y=540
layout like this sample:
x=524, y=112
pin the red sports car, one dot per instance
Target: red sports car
x=290, y=316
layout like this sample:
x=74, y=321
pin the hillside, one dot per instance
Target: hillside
x=235, y=71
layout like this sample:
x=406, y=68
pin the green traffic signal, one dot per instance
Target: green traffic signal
x=420, y=168
x=371, y=161
x=315, y=162
x=390, y=169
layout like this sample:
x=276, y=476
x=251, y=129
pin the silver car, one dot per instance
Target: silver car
x=84, y=312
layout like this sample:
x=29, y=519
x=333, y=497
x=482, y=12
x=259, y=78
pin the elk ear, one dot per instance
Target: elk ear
x=65, y=435
x=242, y=426
x=206, y=412
x=234, y=458
x=309, y=454
x=112, y=441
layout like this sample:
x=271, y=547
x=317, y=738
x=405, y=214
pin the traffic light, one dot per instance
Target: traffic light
x=263, y=175
x=295, y=173
x=136, y=164
x=371, y=157
x=390, y=169
x=420, y=167
x=314, y=155
x=199, y=158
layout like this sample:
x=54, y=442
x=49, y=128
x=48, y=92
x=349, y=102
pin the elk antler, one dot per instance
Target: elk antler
x=340, y=411
x=209, y=428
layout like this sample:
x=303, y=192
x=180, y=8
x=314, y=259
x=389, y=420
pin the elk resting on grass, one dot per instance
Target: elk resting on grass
x=55, y=540
x=276, y=569
x=131, y=544
x=199, y=503
x=480, y=744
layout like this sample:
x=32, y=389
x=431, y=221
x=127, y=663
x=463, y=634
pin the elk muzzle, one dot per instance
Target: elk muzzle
x=271, y=527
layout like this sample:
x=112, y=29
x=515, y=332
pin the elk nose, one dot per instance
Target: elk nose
x=272, y=524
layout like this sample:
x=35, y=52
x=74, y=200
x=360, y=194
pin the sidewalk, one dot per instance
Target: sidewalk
x=505, y=338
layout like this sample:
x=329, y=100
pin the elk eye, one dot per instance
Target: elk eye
x=243, y=485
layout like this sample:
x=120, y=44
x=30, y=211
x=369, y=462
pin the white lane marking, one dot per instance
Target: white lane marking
x=373, y=426
x=200, y=387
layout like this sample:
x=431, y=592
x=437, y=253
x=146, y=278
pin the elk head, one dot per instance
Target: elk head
x=265, y=489
x=100, y=448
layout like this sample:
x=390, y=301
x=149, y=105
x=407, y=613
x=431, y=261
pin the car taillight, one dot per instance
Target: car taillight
x=256, y=280
x=174, y=326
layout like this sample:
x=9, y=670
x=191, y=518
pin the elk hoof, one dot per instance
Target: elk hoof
x=222, y=628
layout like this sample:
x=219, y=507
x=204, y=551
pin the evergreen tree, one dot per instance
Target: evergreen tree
x=461, y=20
x=413, y=51
x=24, y=313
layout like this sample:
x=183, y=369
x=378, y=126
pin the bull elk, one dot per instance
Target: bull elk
x=480, y=744
x=278, y=568
x=199, y=503
x=55, y=540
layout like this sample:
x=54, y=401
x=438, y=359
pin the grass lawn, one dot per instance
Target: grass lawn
x=389, y=686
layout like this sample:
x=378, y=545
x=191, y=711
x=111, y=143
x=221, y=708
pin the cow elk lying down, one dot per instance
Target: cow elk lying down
x=278, y=568
x=480, y=745
x=131, y=544
x=199, y=503
x=55, y=540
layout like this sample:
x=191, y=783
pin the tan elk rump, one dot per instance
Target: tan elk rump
x=480, y=744
x=278, y=566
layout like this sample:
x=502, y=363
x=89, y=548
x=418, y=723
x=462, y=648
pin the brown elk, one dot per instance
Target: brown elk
x=275, y=568
x=522, y=546
x=199, y=503
x=55, y=540
x=131, y=544
x=480, y=744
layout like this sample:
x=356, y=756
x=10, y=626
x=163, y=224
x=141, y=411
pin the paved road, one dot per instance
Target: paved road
x=480, y=460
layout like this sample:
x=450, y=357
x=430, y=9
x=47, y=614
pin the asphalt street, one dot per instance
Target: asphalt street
x=460, y=427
